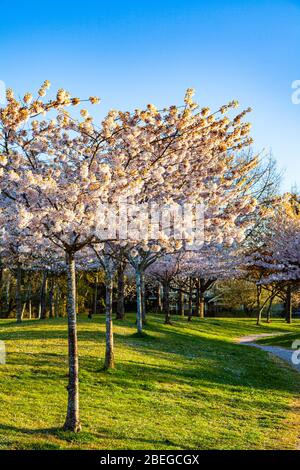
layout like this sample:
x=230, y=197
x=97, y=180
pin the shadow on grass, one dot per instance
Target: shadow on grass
x=84, y=437
x=192, y=357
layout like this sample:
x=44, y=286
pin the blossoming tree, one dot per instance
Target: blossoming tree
x=61, y=173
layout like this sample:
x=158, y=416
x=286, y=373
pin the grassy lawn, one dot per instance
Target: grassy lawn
x=283, y=341
x=182, y=386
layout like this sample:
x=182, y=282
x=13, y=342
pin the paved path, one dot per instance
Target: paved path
x=285, y=354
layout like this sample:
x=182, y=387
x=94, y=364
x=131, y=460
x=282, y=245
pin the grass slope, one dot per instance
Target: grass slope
x=283, y=341
x=185, y=386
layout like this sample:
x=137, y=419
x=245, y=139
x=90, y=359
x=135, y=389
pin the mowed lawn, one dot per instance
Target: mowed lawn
x=283, y=341
x=182, y=386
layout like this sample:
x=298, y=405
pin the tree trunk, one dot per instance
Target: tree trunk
x=120, y=292
x=23, y=309
x=201, y=305
x=181, y=303
x=166, y=303
x=109, y=352
x=57, y=300
x=190, y=311
x=139, y=320
x=93, y=311
x=200, y=302
x=19, y=307
x=143, y=294
x=44, y=296
x=159, y=302
x=288, y=305
x=72, y=422
x=29, y=300
x=51, y=299
x=259, y=310
x=7, y=293
x=269, y=310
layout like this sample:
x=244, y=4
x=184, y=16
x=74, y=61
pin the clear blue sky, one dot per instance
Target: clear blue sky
x=134, y=52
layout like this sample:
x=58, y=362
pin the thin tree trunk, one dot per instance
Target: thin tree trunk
x=43, y=296
x=120, y=292
x=190, y=311
x=29, y=300
x=93, y=311
x=57, y=299
x=51, y=299
x=19, y=309
x=159, y=302
x=109, y=352
x=143, y=293
x=23, y=309
x=288, y=305
x=64, y=306
x=139, y=320
x=166, y=303
x=259, y=310
x=7, y=293
x=269, y=310
x=72, y=422
x=202, y=305
x=181, y=303
x=200, y=301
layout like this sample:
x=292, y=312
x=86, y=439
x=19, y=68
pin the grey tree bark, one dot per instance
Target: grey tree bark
x=29, y=299
x=51, y=298
x=269, y=310
x=109, y=362
x=143, y=293
x=159, y=302
x=288, y=304
x=19, y=307
x=72, y=422
x=166, y=302
x=139, y=320
x=120, y=291
x=57, y=301
x=181, y=303
x=259, y=310
x=190, y=311
x=43, y=296
x=7, y=293
x=200, y=303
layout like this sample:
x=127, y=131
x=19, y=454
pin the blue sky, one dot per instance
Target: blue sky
x=134, y=52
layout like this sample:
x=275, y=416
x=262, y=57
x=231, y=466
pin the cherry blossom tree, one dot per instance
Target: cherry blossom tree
x=274, y=263
x=210, y=264
x=62, y=172
x=39, y=167
x=164, y=270
x=108, y=262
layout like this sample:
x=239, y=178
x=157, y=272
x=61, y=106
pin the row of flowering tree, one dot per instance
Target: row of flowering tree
x=273, y=261
x=60, y=175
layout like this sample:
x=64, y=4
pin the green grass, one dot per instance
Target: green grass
x=181, y=386
x=283, y=341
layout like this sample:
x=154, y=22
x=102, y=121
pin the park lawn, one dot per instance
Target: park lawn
x=283, y=341
x=182, y=386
